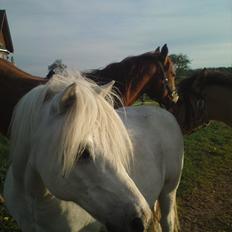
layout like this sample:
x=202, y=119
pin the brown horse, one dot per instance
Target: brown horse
x=203, y=97
x=152, y=73
x=14, y=83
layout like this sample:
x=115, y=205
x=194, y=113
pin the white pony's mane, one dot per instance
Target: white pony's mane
x=90, y=123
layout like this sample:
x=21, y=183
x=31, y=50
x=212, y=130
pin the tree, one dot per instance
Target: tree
x=57, y=67
x=181, y=61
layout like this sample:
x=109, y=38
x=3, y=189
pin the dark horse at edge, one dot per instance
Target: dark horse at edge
x=203, y=97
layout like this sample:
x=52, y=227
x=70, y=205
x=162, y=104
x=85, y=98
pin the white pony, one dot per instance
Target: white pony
x=69, y=148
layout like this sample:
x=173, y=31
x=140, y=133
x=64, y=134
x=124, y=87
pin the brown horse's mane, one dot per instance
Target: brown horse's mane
x=131, y=68
x=205, y=78
x=218, y=78
x=185, y=85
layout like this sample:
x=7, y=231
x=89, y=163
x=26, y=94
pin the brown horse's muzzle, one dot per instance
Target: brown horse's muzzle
x=175, y=96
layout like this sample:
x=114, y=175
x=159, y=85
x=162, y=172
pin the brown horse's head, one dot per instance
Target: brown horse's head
x=152, y=73
x=162, y=77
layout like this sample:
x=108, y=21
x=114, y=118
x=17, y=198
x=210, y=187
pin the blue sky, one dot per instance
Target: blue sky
x=88, y=34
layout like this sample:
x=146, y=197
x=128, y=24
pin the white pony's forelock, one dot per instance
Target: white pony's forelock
x=91, y=121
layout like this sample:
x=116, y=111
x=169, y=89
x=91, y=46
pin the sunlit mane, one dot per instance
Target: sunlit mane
x=91, y=123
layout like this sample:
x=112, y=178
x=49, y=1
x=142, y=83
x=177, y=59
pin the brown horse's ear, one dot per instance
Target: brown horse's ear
x=164, y=52
x=157, y=50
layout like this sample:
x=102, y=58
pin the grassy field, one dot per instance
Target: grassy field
x=7, y=223
x=204, y=195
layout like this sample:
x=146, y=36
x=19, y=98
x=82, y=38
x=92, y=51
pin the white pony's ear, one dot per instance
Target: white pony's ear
x=103, y=90
x=68, y=98
x=49, y=94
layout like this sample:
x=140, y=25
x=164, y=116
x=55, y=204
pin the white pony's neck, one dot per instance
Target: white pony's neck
x=23, y=124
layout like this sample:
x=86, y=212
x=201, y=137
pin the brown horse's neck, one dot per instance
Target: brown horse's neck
x=14, y=83
x=219, y=105
x=133, y=92
x=128, y=83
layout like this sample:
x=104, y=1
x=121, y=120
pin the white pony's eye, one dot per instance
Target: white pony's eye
x=85, y=156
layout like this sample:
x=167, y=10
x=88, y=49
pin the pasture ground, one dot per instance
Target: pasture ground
x=205, y=192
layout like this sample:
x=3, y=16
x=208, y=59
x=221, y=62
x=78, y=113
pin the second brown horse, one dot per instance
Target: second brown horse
x=204, y=96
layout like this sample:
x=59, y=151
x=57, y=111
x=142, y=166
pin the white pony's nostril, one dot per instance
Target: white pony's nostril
x=137, y=225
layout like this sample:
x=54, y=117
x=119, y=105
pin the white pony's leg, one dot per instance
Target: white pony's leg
x=169, y=219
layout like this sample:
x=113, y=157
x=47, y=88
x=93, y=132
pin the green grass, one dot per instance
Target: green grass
x=207, y=152
x=206, y=184
x=7, y=224
x=3, y=159
x=204, y=195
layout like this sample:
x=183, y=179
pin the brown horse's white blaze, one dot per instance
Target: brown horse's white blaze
x=171, y=77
